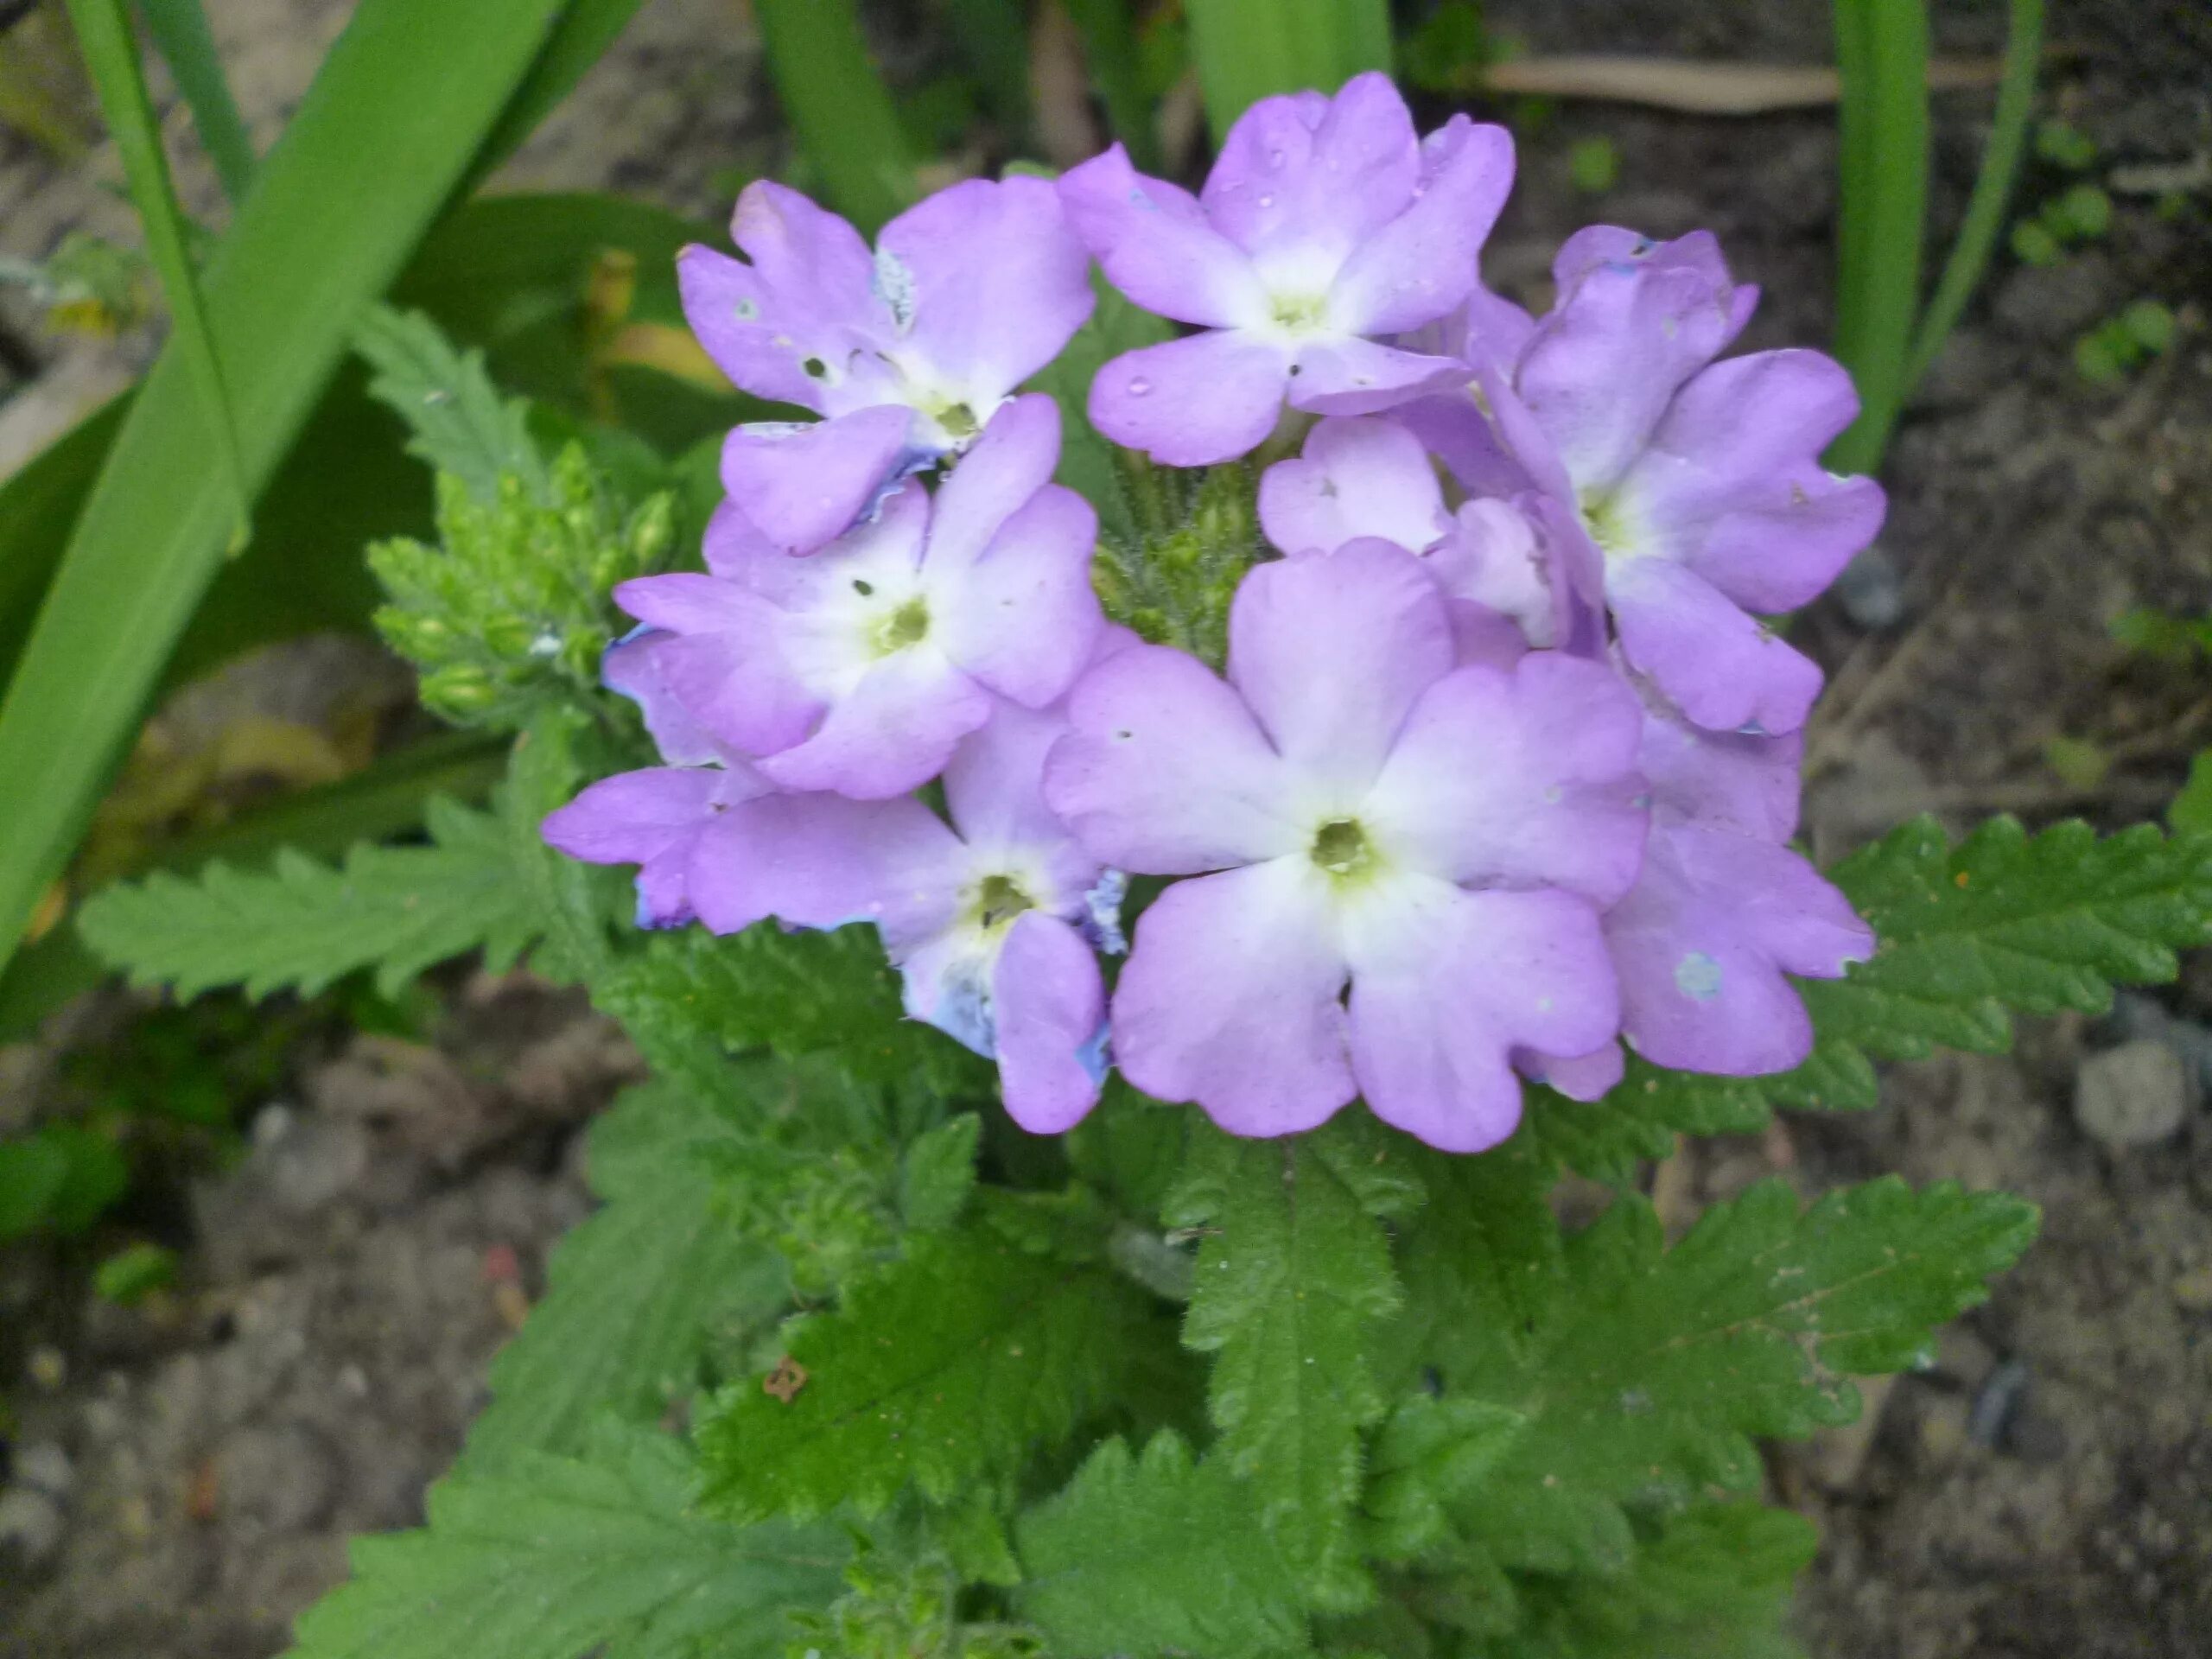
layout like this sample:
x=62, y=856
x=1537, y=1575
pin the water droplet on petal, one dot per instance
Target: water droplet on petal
x=1267, y=201
x=1139, y=386
x=1274, y=158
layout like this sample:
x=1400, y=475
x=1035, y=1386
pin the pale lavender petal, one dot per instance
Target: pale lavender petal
x=890, y=734
x=1721, y=780
x=1050, y=1007
x=1164, y=771
x=1728, y=672
x=1521, y=779
x=1494, y=558
x=1024, y=620
x=1423, y=262
x=1230, y=998
x=1008, y=464
x=1302, y=181
x=634, y=817
x=1156, y=246
x=803, y=486
x=891, y=542
x=1600, y=371
x=738, y=684
x=636, y=667
x=1732, y=484
x=734, y=543
x=1355, y=478
x=684, y=601
x=1578, y=1076
x=1446, y=984
x=1342, y=374
x=1703, y=942
x=1452, y=428
x=1195, y=402
x=994, y=792
x=1331, y=650
x=809, y=861
x=997, y=278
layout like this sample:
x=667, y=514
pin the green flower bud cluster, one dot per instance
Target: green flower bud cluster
x=1199, y=533
x=904, y=1611
x=513, y=608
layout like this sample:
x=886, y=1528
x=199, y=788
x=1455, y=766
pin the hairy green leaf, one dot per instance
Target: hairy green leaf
x=556, y=1558
x=304, y=923
x=955, y=1364
x=1644, y=1374
x=1293, y=1276
x=460, y=422
x=636, y=1293
x=2005, y=923
x=1156, y=1555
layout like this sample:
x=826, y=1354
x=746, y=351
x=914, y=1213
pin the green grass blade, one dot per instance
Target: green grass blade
x=1110, y=52
x=188, y=46
x=1992, y=190
x=111, y=55
x=1247, y=50
x=1882, y=49
x=371, y=155
x=839, y=106
x=587, y=29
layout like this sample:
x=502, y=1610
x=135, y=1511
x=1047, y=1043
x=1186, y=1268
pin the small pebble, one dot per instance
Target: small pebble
x=1871, y=592
x=2136, y=1094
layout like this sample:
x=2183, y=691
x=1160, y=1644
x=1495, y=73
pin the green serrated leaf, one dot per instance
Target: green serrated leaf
x=954, y=1364
x=1716, y=1582
x=635, y=1295
x=302, y=925
x=691, y=999
x=1156, y=1555
x=460, y=422
x=938, y=1173
x=2006, y=923
x=1293, y=1274
x=1645, y=1373
x=1430, y=1450
x=552, y=1558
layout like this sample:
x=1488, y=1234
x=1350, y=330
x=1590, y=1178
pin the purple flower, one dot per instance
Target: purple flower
x=1680, y=494
x=1357, y=809
x=859, y=669
x=908, y=352
x=994, y=922
x=1723, y=910
x=1325, y=224
x=1372, y=477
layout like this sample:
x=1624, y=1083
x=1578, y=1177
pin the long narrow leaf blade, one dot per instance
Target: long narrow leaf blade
x=1247, y=50
x=188, y=46
x=111, y=54
x=1883, y=51
x=838, y=105
x=370, y=157
x=1992, y=190
x=587, y=29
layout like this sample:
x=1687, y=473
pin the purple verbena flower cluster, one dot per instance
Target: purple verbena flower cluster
x=1503, y=767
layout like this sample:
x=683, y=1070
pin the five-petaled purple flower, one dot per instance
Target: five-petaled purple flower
x=1502, y=773
x=909, y=351
x=1326, y=225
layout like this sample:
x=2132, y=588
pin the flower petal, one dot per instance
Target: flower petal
x=636, y=667
x=1446, y=984
x=739, y=685
x=1355, y=478
x=1156, y=246
x=1725, y=669
x=1721, y=780
x=1302, y=180
x=1452, y=429
x=1331, y=650
x=1732, y=484
x=998, y=280
x=1006, y=465
x=809, y=861
x=801, y=487
x=1165, y=773
x=1025, y=619
x=1703, y=942
x=1230, y=998
x=1195, y=402
x=1423, y=262
x=1343, y=374
x=1518, y=778
x=891, y=733
x=1049, y=1006
x=1585, y=1078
